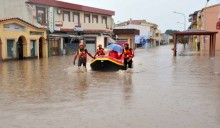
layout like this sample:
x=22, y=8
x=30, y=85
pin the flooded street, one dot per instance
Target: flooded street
x=160, y=92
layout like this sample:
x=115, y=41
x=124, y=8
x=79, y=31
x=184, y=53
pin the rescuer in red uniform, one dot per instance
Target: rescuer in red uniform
x=128, y=55
x=82, y=55
x=99, y=51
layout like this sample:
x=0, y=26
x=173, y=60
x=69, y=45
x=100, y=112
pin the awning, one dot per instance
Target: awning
x=65, y=36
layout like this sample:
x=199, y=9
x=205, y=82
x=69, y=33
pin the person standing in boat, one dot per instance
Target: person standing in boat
x=100, y=51
x=82, y=55
x=128, y=55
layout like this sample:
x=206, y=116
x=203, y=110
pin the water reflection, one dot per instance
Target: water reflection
x=127, y=87
x=81, y=84
x=162, y=89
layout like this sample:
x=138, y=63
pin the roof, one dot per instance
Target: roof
x=126, y=31
x=16, y=18
x=138, y=22
x=195, y=32
x=61, y=4
x=211, y=6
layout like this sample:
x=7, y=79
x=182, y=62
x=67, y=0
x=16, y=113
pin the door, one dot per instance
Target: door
x=40, y=48
x=20, y=49
x=90, y=44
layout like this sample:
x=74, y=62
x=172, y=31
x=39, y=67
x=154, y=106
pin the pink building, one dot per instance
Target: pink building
x=210, y=16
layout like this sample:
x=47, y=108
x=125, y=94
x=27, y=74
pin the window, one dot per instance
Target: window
x=10, y=48
x=41, y=15
x=95, y=19
x=32, y=47
x=76, y=19
x=87, y=18
x=104, y=20
x=66, y=16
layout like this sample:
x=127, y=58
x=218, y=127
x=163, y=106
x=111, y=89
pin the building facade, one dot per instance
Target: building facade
x=126, y=36
x=148, y=31
x=21, y=40
x=68, y=24
x=205, y=19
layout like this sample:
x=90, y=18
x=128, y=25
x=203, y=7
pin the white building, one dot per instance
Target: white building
x=68, y=23
x=148, y=30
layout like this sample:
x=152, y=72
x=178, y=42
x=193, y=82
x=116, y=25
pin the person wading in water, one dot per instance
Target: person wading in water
x=128, y=55
x=82, y=55
x=99, y=51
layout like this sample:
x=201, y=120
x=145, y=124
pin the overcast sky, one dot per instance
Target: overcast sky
x=156, y=11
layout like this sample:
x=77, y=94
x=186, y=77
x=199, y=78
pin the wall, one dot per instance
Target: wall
x=71, y=25
x=211, y=15
x=15, y=8
x=144, y=30
x=130, y=38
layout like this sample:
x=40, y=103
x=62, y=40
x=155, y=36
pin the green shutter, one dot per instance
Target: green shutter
x=10, y=48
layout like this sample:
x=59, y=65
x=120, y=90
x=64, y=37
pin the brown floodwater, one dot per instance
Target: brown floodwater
x=160, y=92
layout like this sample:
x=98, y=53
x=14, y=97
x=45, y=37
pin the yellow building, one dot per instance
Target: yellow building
x=126, y=36
x=21, y=40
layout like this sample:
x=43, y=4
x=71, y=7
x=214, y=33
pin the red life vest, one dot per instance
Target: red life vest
x=100, y=52
x=128, y=53
x=82, y=54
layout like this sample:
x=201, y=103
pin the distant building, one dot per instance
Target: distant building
x=68, y=24
x=206, y=19
x=126, y=36
x=149, y=32
x=167, y=38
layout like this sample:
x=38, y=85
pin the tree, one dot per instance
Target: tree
x=170, y=32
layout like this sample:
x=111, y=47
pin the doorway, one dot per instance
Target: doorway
x=20, y=48
x=40, y=48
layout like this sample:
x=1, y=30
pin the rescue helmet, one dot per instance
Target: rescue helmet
x=81, y=44
x=126, y=44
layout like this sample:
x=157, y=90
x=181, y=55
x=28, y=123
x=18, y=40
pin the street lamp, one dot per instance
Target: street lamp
x=183, y=17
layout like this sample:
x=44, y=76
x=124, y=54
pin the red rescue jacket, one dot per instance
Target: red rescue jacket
x=82, y=54
x=128, y=53
x=100, y=52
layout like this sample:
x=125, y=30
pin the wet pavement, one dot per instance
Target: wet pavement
x=160, y=92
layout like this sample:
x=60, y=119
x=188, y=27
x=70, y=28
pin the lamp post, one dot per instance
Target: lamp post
x=183, y=17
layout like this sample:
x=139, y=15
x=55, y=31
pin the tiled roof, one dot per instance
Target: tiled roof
x=60, y=4
x=138, y=22
x=16, y=18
